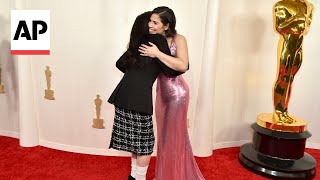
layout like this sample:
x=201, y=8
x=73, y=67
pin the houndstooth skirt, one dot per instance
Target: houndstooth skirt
x=132, y=132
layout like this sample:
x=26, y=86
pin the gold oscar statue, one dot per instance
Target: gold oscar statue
x=1, y=86
x=292, y=20
x=277, y=150
x=98, y=122
x=49, y=93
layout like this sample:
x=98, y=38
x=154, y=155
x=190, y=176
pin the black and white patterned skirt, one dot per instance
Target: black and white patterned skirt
x=132, y=132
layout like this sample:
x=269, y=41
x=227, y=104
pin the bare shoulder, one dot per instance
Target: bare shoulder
x=182, y=47
x=180, y=38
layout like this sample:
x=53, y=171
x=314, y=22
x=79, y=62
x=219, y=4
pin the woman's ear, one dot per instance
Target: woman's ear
x=166, y=27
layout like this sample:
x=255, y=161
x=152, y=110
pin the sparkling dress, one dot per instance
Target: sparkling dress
x=175, y=160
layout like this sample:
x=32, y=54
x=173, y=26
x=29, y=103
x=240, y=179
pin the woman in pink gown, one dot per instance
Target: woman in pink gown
x=175, y=160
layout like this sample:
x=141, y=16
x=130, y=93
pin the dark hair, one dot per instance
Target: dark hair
x=167, y=17
x=139, y=29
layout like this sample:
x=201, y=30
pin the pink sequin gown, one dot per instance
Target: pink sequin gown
x=175, y=160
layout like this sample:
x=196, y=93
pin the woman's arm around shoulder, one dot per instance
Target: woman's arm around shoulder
x=178, y=63
x=181, y=61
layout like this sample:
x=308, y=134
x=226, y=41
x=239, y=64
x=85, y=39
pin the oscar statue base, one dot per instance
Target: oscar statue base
x=266, y=120
x=278, y=155
x=98, y=123
x=1, y=89
x=49, y=94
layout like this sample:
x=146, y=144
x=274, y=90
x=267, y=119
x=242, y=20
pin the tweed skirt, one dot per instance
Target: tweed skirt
x=132, y=132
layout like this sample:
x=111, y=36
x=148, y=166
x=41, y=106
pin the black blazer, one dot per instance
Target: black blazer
x=134, y=91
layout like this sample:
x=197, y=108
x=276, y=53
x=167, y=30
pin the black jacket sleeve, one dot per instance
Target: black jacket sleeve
x=121, y=64
x=165, y=69
x=162, y=45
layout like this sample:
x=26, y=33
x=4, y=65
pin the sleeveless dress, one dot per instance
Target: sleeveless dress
x=175, y=160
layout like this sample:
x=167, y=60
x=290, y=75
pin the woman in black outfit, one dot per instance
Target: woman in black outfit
x=133, y=127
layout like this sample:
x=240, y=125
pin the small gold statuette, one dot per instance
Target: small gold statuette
x=98, y=122
x=49, y=93
x=292, y=20
x=188, y=121
x=1, y=85
x=1, y=88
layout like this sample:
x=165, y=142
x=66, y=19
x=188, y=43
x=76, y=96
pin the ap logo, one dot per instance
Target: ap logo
x=30, y=32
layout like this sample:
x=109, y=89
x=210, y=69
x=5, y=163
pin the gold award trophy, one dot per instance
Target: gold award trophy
x=292, y=20
x=49, y=94
x=98, y=122
x=1, y=86
x=279, y=139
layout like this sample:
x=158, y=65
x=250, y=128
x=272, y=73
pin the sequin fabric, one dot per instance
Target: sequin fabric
x=175, y=160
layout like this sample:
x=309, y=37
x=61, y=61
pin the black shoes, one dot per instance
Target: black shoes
x=131, y=178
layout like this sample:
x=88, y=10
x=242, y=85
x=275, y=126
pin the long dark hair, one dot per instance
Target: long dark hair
x=167, y=17
x=139, y=29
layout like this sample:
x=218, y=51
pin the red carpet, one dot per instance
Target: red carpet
x=43, y=163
